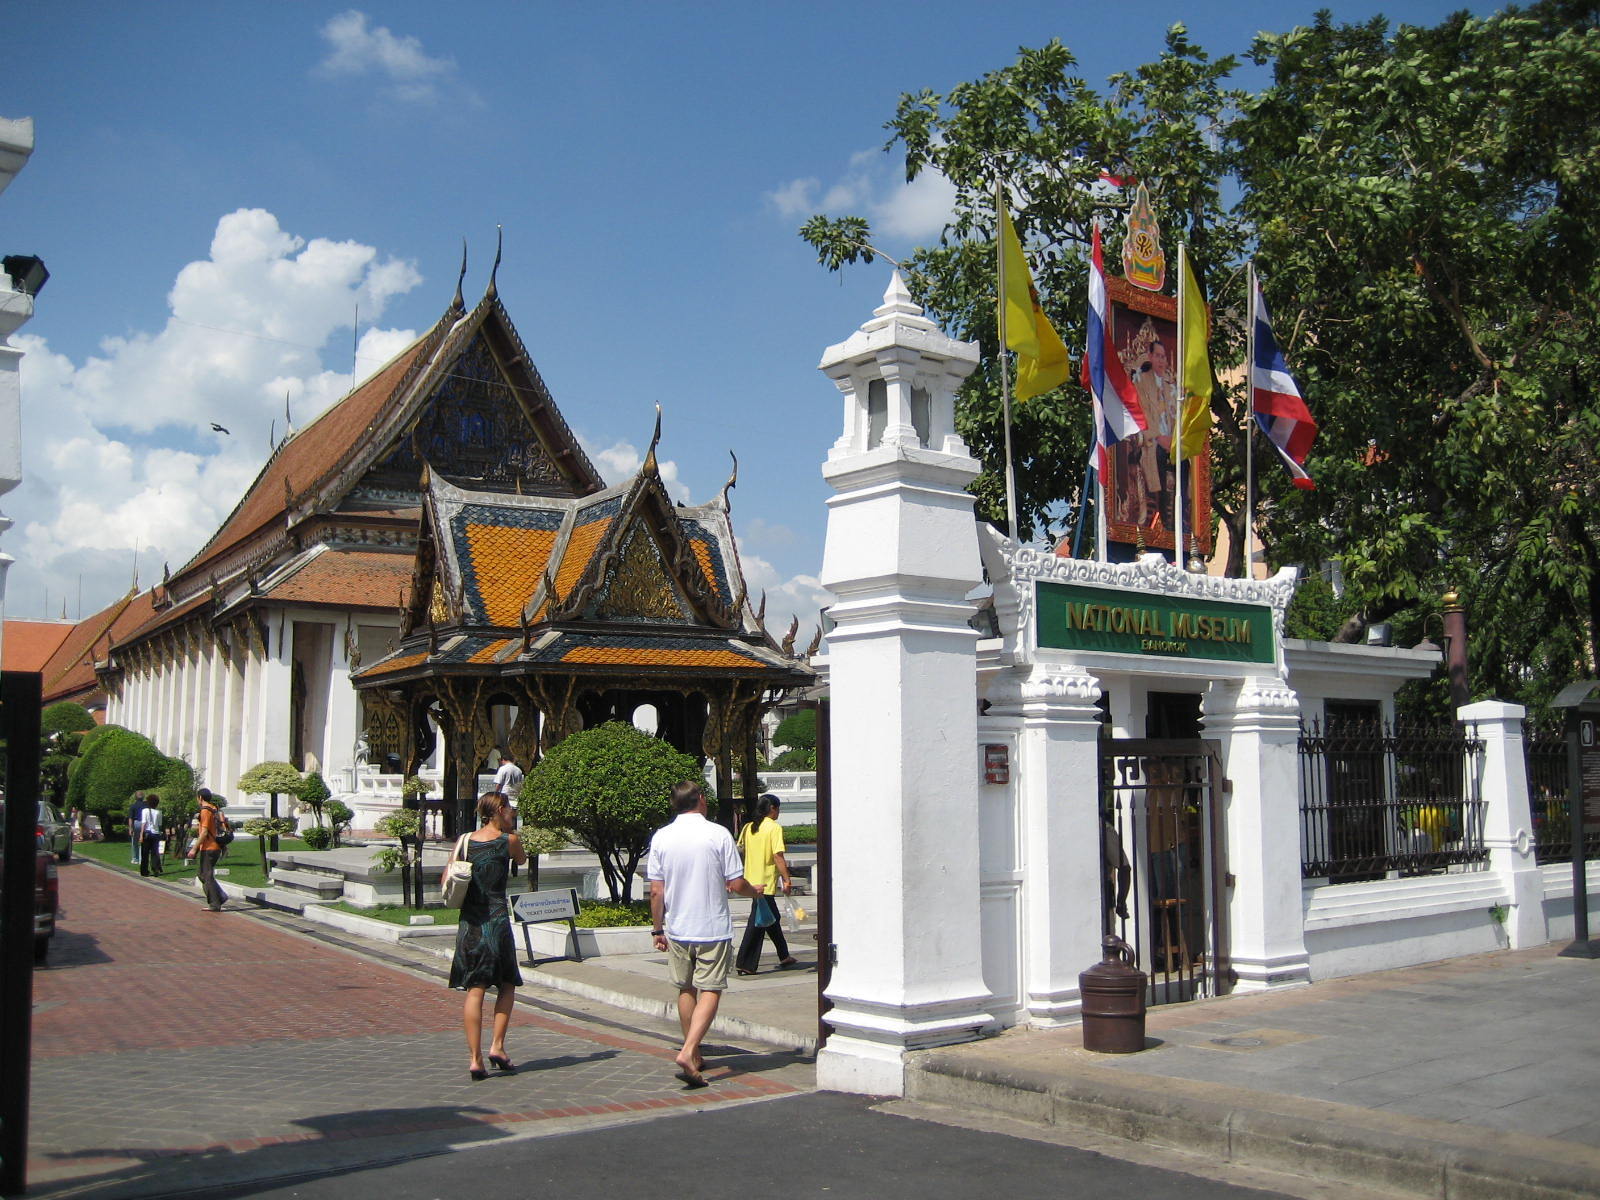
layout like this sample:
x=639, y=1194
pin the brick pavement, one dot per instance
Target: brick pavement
x=161, y=1029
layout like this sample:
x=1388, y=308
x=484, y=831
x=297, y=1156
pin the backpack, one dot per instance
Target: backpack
x=221, y=831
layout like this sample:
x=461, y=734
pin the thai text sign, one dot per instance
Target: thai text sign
x=1073, y=617
x=557, y=905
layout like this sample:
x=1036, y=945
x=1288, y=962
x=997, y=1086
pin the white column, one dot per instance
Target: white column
x=1058, y=762
x=1258, y=722
x=228, y=769
x=901, y=556
x=1508, y=816
x=276, y=672
x=342, y=712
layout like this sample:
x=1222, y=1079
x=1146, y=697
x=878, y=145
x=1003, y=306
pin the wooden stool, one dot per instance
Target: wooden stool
x=1174, y=939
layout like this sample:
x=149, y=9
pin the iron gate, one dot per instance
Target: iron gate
x=1162, y=863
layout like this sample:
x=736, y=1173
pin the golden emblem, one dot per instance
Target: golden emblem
x=1143, y=262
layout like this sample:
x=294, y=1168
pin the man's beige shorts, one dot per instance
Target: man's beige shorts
x=701, y=965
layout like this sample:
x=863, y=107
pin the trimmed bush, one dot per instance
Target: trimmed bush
x=318, y=838
x=117, y=763
x=609, y=787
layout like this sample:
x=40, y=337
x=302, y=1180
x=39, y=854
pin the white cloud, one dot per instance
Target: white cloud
x=798, y=596
x=119, y=451
x=873, y=185
x=357, y=50
x=622, y=460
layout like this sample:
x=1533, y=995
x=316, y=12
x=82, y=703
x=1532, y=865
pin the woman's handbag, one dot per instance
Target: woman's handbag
x=457, y=877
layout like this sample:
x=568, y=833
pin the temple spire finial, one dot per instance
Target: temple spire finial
x=655, y=439
x=727, y=504
x=499, y=245
x=461, y=279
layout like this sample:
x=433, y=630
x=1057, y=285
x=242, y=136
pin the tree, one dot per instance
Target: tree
x=608, y=787
x=116, y=764
x=797, y=733
x=61, y=729
x=1423, y=208
x=269, y=779
x=314, y=794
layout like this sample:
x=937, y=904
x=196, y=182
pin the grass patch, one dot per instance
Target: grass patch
x=592, y=914
x=800, y=835
x=242, y=860
x=397, y=914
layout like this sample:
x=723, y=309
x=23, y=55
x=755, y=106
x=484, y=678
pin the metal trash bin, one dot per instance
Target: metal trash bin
x=1113, y=1001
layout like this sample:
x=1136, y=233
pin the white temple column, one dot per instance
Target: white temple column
x=277, y=670
x=1059, y=742
x=1508, y=816
x=901, y=555
x=340, y=741
x=1257, y=720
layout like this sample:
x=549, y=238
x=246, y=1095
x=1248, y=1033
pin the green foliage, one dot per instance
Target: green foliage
x=795, y=760
x=609, y=788
x=401, y=824
x=66, y=717
x=536, y=839
x=318, y=838
x=340, y=815
x=594, y=914
x=798, y=731
x=314, y=794
x=270, y=778
x=414, y=788
x=117, y=763
x=799, y=835
x=1315, y=613
x=1423, y=207
x=265, y=827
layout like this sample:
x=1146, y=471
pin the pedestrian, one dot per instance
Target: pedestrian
x=508, y=779
x=761, y=843
x=206, y=849
x=693, y=866
x=150, y=839
x=486, y=952
x=135, y=812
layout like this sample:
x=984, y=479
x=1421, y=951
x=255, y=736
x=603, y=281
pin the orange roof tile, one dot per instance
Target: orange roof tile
x=641, y=657
x=491, y=651
x=309, y=455
x=70, y=671
x=391, y=665
x=517, y=558
x=28, y=645
x=702, y=554
x=580, y=549
x=350, y=578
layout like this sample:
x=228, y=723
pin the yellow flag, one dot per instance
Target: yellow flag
x=1195, y=321
x=1042, y=361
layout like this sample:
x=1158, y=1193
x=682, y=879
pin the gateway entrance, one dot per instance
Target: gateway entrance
x=1163, y=867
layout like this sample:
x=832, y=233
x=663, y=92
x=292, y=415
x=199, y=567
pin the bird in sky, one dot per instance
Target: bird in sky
x=219, y=429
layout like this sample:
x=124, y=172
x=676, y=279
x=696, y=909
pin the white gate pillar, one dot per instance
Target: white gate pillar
x=1508, y=816
x=1058, y=789
x=1257, y=720
x=901, y=556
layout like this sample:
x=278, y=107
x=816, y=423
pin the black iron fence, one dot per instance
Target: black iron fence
x=1377, y=799
x=1546, y=753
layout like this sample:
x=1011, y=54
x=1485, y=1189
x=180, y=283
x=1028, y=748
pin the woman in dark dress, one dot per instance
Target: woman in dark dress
x=486, y=952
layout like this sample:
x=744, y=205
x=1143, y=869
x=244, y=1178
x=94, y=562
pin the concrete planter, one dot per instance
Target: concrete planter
x=551, y=940
x=381, y=931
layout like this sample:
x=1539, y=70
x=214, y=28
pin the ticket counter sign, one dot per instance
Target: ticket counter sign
x=1113, y=621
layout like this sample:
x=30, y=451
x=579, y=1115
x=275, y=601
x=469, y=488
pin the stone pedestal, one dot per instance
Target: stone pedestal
x=1257, y=720
x=901, y=556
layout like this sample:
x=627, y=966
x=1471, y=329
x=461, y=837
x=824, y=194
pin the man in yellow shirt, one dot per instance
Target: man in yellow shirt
x=762, y=844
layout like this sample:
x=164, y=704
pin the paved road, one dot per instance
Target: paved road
x=162, y=1031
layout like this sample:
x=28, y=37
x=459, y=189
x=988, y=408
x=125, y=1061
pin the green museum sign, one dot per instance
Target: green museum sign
x=1072, y=617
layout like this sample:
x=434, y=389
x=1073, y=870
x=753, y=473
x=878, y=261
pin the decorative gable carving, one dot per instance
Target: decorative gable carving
x=638, y=586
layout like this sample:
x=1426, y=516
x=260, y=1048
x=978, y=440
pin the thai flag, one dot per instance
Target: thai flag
x=1117, y=413
x=1280, y=409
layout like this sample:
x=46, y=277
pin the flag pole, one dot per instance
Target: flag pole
x=1005, y=367
x=1250, y=422
x=1175, y=455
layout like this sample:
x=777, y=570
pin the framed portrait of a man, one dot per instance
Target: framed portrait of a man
x=1142, y=485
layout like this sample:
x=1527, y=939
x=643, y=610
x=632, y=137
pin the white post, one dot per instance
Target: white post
x=1258, y=722
x=1508, y=816
x=1059, y=743
x=901, y=556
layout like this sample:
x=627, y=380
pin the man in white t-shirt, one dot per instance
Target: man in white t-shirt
x=693, y=867
x=508, y=779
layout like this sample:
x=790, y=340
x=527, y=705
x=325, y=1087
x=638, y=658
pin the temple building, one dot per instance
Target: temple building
x=429, y=574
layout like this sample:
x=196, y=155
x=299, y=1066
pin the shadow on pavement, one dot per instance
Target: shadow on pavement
x=336, y=1144
x=71, y=948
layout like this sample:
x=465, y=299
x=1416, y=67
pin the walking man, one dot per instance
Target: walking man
x=508, y=779
x=693, y=867
x=150, y=839
x=206, y=850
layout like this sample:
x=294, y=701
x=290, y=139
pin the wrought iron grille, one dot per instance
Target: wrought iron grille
x=1548, y=783
x=1377, y=799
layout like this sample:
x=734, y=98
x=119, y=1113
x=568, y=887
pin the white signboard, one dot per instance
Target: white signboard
x=559, y=904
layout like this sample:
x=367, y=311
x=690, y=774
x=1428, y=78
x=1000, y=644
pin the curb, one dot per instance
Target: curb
x=1322, y=1139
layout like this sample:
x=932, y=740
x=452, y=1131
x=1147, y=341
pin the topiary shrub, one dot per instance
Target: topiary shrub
x=314, y=794
x=340, y=816
x=117, y=763
x=609, y=788
x=269, y=779
x=318, y=838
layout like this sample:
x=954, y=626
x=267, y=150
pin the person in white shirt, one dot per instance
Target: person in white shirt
x=508, y=779
x=693, y=867
x=150, y=839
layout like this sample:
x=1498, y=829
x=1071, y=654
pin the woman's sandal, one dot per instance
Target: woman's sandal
x=502, y=1064
x=477, y=1076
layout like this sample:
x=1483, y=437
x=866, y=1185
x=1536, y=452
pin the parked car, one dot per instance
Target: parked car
x=46, y=892
x=56, y=830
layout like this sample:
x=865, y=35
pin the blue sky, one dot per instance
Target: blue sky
x=218, y=189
